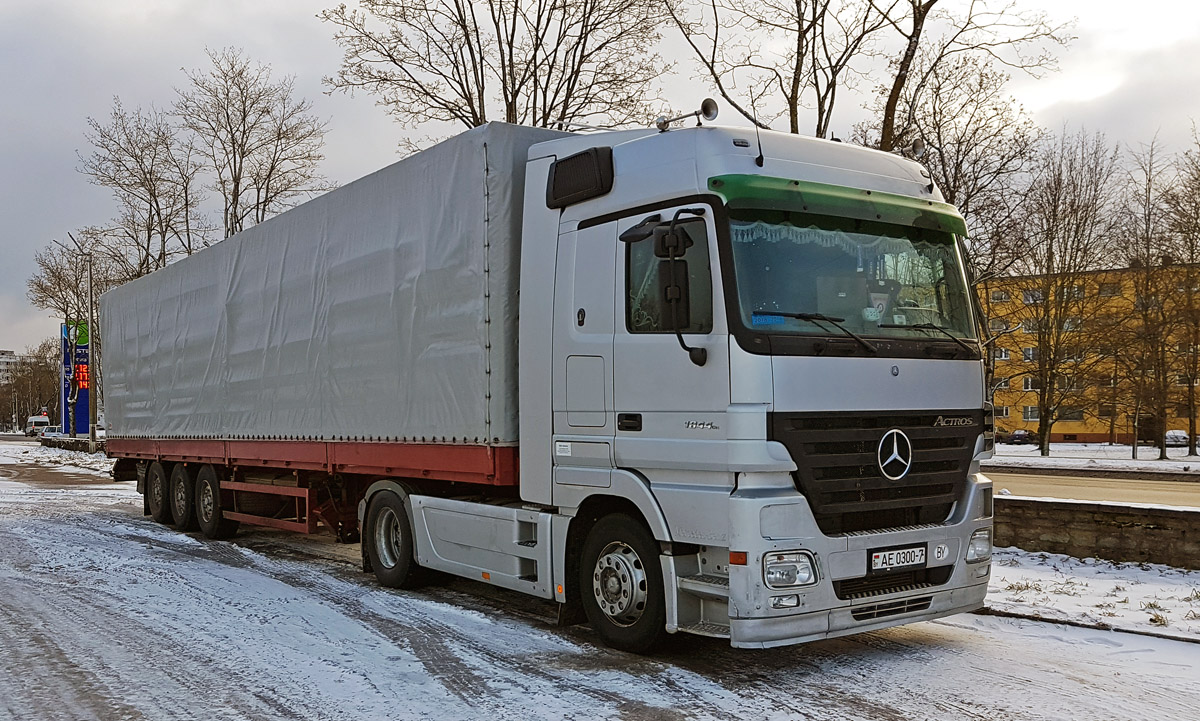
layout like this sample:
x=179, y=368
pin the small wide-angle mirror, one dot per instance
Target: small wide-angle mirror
x=642, y=230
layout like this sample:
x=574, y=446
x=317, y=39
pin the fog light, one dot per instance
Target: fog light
x=791, y=601
x=980, y=546
x=982, y=571
x=789, y=569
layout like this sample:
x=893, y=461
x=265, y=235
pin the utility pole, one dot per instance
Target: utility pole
x=91, y=361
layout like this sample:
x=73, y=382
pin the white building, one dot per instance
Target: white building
x=8, y=360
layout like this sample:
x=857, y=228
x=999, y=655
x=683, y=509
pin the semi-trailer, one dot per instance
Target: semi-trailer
x=695, y=380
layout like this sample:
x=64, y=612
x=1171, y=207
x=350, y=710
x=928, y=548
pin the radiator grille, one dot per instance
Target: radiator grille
x=838, y=470
x=885, y=583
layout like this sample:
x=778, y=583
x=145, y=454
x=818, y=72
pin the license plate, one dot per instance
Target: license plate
x=897, y=558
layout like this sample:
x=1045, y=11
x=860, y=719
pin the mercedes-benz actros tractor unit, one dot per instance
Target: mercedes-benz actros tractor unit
x=686, y=380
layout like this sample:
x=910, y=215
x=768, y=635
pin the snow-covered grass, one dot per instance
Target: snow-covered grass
x=1096, y=457
x=71, y=461
x=1125, y=596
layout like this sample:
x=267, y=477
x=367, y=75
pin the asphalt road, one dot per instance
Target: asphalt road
x=105, y=614
x=1083, y=488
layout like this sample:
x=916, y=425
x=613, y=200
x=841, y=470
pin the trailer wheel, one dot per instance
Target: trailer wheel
x=158, y=493
x=621, y=585
x=182, y=499
x=209, y=514
x=389, y=540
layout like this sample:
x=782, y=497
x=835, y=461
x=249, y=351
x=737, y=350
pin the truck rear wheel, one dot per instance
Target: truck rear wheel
x=183, y=497
x=158, y=493
x=621, y=586
x=389, y=540
x=209, y=514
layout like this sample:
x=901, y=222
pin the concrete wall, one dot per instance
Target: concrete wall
x=1111, y=531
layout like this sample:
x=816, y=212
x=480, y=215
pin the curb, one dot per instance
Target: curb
x=986, y=611
x=1187, y=477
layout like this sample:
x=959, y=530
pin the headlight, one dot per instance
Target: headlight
x=789, y=569
x=980, y=546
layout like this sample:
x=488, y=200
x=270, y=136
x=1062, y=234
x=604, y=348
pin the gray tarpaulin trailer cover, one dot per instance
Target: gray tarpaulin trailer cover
x=384, y=310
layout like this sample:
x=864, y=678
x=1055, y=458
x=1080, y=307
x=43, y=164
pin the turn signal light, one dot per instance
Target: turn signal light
x=737, y=558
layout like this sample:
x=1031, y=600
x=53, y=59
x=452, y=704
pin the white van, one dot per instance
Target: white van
x=34, y=424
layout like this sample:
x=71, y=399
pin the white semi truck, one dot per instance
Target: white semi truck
x=685, y=381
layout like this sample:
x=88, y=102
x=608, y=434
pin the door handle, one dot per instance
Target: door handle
x=629, y=421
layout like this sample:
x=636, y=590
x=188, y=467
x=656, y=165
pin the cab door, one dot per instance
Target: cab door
x=670, y=411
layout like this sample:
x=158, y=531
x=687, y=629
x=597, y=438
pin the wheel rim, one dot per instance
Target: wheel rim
x=180, y=499
x=388, y=545
x=619, y=584
x=206, y=502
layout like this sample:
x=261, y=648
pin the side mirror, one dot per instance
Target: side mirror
x=673, y=289
x=642, y=230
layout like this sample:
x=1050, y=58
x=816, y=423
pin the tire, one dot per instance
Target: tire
x=158, y=493
x=389, y=541
x=183, y=498
x=621, y=584
x=210, y=517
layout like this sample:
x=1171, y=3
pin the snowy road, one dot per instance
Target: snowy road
x=106, y=615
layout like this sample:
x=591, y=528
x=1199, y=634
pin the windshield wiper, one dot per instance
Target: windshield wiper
x=817, y=318
x=930, y=326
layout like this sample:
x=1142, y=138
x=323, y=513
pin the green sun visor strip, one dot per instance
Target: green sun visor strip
x=758, y=191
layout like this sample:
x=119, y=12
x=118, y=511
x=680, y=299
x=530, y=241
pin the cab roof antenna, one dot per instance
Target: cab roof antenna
x=757, y=136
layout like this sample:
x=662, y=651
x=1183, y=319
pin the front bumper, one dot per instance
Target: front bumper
x=779, y=519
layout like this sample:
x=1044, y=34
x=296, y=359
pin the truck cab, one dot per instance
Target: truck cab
x=767, y=354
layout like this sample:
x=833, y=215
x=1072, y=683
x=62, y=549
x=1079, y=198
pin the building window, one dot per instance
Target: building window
x=1002, y=412
x=1074, y=292
x=1181, y=410
x=1181, y=380
x=1000, y=296
x=1030, y=325
x=1031, y=297
x=1002, y=384
x=1000, y=354
x=1072, y=324
x=1110, y=290
x=1029, y=383
x=996, y=325
x=1071, y=414
x=1107, y=410
x=1069, y=383
x=1030, y=413
x=1029, y=355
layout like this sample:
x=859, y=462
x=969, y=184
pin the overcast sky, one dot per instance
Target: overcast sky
x=1133, y=71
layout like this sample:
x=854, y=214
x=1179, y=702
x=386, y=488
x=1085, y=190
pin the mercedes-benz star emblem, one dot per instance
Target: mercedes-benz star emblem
x=894, y=454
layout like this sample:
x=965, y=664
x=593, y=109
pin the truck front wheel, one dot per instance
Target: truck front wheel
x=621, y=584
x=389, y=541
x=209, y=515
x=158, y=493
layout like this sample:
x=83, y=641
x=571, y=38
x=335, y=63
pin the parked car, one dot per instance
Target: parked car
x=50, y=432
x=1176, y=439
x=1021, y=437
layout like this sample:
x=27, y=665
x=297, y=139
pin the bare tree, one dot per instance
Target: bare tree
x=262, y=143
x=798, y=52
x=533, y=62
x=1183, y=215
x=1068, y=214
x=32, y=382
x=1148, y=252
x=997, y=30
x=152, y=174
x=60, y=286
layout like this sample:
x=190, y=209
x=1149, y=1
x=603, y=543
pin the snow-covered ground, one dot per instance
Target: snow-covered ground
x=1127, y=596
x=105, y=614
x=1096, y=457
x=72, y=461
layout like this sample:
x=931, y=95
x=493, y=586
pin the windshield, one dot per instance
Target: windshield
x=877, y=279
